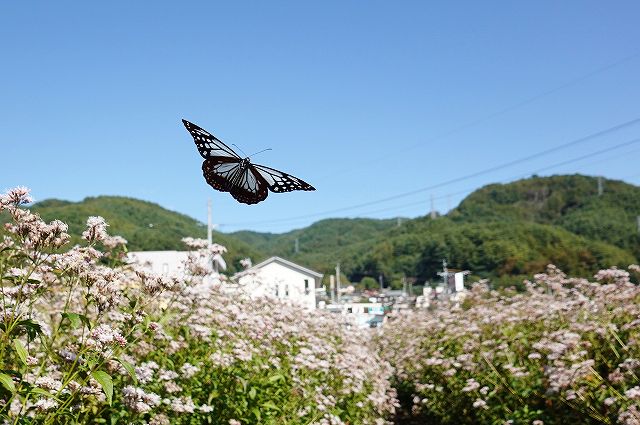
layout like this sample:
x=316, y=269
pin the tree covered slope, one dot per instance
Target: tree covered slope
x=499, y=230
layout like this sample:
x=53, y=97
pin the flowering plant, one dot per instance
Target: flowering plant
x=86, y=337
x=566, y=351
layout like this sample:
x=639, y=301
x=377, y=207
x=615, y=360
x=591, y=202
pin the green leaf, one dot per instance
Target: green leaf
x=45, y=393
x=7, y=382
x=129, y=368
x=256, y=412
x=74, y=319
x=244, y=383
x=32, y=328
x=213, y=394
x=270, y=405
x=21, y=350
x=77, y=319
x=106, y=382
x=10, y=278
x=275, y=378
x=252, y=393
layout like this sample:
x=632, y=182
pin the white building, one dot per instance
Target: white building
x=172, y=263
x=362, y=315
x=280, y=278
x=169, y=263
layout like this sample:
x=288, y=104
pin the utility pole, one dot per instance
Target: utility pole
x=382, y=282
x=433, y=208
x=338, y=280
x=209, y=223
x=600, y=186
x=445, y=278
x=296, y=248
x=332, y=288
x=404, y=285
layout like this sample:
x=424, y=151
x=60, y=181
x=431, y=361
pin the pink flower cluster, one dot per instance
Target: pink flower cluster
x=92, y=338
x=567, y=343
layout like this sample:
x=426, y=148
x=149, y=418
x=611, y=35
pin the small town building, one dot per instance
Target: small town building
x=361, y=315
x=280, y=278
x=170, y=263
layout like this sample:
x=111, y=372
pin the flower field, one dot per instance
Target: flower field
x=87, y=338
x=566, y=351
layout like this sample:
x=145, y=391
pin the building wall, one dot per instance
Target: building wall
x=169, y=263
x=358, y=314
x=277, y=280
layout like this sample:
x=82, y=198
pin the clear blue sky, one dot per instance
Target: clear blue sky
x=363, y=99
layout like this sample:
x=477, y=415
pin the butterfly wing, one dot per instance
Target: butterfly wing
x=279, y=182
x=224, y=170
x=209, y=145
x=226, y=175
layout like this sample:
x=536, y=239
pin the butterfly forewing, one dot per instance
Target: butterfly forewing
x=281, y=182
x=209, y=145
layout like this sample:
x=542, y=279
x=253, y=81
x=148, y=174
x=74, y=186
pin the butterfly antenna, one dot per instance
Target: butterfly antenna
x=243, y=152
x=263, y=150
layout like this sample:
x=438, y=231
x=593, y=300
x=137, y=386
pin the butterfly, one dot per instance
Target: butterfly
x=226, y=171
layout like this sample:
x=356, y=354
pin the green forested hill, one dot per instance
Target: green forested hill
x=571, y=202
x=499, y=230
x=145, y=225
x=324, y=243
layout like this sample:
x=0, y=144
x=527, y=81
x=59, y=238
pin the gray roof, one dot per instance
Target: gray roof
x=281, y=261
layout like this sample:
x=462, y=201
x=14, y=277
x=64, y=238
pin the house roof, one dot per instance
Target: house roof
x=282, y=261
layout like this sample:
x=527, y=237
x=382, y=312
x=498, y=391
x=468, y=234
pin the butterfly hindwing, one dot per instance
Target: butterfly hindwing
x=226, y=175
x=281, y=182
x=209, y=145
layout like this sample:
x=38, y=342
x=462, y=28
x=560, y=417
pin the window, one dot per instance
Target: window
x=286, y=290
x=277, y=290
x=306, y=287
x=366, y=309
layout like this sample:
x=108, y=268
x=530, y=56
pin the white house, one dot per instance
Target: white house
x=282, y=279
x=172, y=263
x=161, y=262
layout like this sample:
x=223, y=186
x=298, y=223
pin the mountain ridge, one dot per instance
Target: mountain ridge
x=499, y=230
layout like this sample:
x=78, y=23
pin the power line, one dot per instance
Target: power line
x=600, y=152
x=520, y=176
x=502, y=111
x=517, y=177
x=454, y=180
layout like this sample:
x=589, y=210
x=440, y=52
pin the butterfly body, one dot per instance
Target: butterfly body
x=225, y=171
